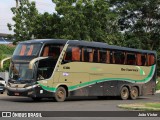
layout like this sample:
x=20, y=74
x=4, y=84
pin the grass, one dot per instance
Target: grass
x=154, y=105
x=158, y=85
x=141, y=106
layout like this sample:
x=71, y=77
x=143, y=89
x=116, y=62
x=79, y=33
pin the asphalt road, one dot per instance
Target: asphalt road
x=12, y=103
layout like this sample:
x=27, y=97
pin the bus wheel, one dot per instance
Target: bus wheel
x=60, y=94
x=124, y=93
x=134, y=93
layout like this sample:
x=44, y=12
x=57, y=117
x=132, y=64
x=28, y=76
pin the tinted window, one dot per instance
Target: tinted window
x=73, y=54
x=87, y=55
x=68, y=54
x=96, y=55
x=151, y=59
x=103, y=56
x=143, y=59
x=52, y=51
x=27, y=50
x=119, y=57
x=45, y=68
x=131, y=59
x=111, y=57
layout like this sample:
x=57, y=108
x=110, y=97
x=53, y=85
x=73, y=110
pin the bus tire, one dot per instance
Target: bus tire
x=133, y=93
x=60, y=94
x=124, y=94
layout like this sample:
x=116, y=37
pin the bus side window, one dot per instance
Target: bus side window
x=76, y=54
x=96, y=55
x=52, y=51
x=91, y=51
x=119, y=57
x=143, y=59
x=108, y=57
x=139, y=59
x=131, y=59
x=87, y=55
x=111, y=57
x=68, y=54
x=72, y=54
x=151, y=59
x=45, y=51
x=103, y=56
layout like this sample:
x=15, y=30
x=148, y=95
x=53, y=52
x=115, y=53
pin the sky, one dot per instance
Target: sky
x=6, y=13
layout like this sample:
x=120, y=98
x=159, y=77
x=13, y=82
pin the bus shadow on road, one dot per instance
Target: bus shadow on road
x=70, y=99
x=115, y=98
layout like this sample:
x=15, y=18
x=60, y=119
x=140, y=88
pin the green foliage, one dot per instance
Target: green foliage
x=24, y=17
x=140, y=21
x=47, y=26
x=158, y=85
x=129, y=23
x=90, y=20
x=5, y=51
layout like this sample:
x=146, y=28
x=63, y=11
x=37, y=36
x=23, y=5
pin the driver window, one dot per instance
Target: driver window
x=45, y=68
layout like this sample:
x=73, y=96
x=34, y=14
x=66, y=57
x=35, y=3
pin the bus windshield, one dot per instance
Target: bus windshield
x=21, y=72
x=27, y=49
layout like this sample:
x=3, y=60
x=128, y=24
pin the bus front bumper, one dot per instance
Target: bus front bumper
x=28, y=91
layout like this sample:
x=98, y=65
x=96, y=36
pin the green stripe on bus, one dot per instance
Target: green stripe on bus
x=109, y=79
x=47, y=87
x=101, y=80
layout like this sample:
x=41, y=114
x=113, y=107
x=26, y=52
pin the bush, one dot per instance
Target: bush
x=5, y=51
x=158, y=85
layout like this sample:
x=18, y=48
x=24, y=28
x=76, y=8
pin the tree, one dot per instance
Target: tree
x=140, y=22
x=24, y=17
x=48, y=26
x=91, y=20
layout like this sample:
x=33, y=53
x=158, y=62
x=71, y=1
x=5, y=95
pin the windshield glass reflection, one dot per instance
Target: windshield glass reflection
x=21, y=72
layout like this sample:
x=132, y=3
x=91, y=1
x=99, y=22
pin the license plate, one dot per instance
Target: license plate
x=16, y=94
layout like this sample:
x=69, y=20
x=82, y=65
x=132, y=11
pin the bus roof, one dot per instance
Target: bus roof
x=88, y=44
x=44, y=41
x=106, y=46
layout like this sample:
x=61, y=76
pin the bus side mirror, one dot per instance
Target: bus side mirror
x=3, y=60
x=32, y=62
